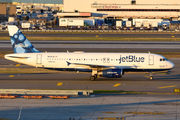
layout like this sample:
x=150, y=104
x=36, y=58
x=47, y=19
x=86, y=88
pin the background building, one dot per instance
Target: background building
x=33, y=1
x=8, y=7
x=131, y=13
x=126, y=9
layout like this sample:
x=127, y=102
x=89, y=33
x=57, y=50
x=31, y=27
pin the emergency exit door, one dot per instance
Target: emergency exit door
x=39, y=59
x=151, y=59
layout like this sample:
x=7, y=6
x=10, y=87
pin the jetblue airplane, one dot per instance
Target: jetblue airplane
x=110, y=65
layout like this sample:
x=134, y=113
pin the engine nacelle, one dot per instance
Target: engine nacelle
x=112, y=73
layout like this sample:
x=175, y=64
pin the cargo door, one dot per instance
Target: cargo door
x=39, y=59
x=151, y=59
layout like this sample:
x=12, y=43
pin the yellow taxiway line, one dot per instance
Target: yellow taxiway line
x=59, y=84
x=146, y=113
x=116, y=85
x=167, y=86
x=11, y=75
x=17, y=65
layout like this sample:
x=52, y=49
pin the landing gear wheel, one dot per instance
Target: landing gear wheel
x=95, y=76
x=151, y=75
x=92, y=78
x=151, y=78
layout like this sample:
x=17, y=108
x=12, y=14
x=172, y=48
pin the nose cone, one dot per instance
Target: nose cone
x=171, y=65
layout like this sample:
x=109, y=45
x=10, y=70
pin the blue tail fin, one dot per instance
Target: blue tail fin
x=19, y=42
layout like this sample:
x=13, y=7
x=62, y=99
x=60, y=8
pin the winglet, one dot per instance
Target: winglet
x=68, y=63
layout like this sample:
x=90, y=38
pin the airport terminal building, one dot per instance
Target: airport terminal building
x=126, y=8
x=33, y=1
x=131, y=10
x=165, y=9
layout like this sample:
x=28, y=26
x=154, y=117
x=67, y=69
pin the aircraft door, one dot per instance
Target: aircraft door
x=151, y=59
x=39, y=59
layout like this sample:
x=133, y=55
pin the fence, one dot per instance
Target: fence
x=45, y=92
x=99, y=31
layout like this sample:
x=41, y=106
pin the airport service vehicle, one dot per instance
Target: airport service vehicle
x=110, y=65
x=146, y=24
x=118, y=23
x=138, y=24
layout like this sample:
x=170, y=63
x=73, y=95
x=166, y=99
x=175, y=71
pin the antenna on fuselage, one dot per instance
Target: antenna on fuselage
x=67, y=51
x=149, y=52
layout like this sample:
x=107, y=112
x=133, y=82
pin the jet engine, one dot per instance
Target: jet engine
x=111, y=73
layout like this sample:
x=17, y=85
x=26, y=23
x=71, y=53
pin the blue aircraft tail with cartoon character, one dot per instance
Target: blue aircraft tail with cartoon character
x=19, y=42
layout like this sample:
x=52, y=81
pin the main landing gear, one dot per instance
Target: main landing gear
x=94, y=75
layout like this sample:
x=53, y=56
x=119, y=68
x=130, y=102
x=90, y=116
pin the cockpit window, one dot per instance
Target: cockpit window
x=163, y=59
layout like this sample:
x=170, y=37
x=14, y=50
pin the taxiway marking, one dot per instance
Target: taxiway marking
x=116, y=85
x=17, y=65
x=146, y=113
x=176, y=89
x=59, y=84
x=11, y=75
x=147, y=76
x=167, y=86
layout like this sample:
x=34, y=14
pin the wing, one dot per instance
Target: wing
x=103, y=66
x=90, y=65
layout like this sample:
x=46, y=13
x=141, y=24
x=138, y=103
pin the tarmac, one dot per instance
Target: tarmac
x=93, y=107
x=123, y=34
x=100, y=46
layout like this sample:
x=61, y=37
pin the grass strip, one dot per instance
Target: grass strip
x=115, y=92
x=125, y=92
x=96, y=32
x=98, y=39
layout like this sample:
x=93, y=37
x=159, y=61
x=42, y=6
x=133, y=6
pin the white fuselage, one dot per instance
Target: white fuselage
x=124, y=61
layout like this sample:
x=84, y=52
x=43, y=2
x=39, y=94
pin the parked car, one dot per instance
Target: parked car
x=160, y=29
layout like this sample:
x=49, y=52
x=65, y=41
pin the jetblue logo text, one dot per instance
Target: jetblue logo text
x=131, y=58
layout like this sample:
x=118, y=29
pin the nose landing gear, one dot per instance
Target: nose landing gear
x=150, y=76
